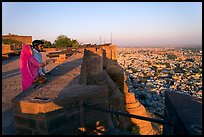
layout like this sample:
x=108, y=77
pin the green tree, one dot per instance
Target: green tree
x=75, y=43
x=62, y=41
x=47, y=44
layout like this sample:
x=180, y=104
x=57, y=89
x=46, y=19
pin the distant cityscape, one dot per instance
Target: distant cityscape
x=152, y=71
x=163, y=46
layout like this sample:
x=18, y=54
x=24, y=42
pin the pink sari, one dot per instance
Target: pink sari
x=29, y=67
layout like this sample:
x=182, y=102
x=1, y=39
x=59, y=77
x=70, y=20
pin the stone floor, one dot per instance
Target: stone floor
x=11, y=87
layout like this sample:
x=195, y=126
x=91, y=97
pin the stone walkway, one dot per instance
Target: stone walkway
x=11, y=87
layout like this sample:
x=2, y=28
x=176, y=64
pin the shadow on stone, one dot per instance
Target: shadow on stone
x=56, y=107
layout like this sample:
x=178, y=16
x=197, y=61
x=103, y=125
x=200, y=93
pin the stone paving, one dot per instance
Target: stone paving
x=11, y=86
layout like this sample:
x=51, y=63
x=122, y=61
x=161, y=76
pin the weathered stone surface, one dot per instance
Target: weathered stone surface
x=110, y=52
x=58, y=104
x=133, y=106
x=54, y=114
x=118, y=76
x=23, y=39
x=23, y=131
x=180, y=110
x=90, y=71
x=28, y=107
x=61, y=58
x=25, y=122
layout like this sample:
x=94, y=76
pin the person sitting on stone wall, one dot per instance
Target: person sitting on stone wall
x=37, y=48
x=29, y=66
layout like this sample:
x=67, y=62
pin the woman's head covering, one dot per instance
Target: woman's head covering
x=25, y=54
x=29, y=66
x=25, y=51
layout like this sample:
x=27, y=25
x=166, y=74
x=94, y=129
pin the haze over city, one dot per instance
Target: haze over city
x=132, y=24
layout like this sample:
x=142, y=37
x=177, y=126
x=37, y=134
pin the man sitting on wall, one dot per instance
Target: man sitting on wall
x=37, y=48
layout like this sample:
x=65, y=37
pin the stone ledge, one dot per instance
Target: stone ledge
x=185, y=112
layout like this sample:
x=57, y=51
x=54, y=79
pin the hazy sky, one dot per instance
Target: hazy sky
x=131, y=23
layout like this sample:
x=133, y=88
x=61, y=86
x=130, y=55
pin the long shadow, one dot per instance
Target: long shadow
x=8, y=127
x=55, y=72
x=91, y=79
x=67, y=67
x=11, y=59
x=11, y=73
x=115, y=72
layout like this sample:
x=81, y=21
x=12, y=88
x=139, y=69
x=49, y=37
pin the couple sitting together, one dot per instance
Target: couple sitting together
x=31, y=64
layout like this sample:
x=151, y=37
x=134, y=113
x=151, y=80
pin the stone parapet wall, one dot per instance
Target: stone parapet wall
x=92, y=65
x=185, y=114
x=61, y=111
x=6, y=48
x=62, y=115
x=110, y=52
x=61, y=58
x=114, y=77
x=50, y=49
x=94, y=61
x=131, y=103
x=133, y=106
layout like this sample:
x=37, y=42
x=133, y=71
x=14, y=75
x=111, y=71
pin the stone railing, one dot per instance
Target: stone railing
x=185, y=114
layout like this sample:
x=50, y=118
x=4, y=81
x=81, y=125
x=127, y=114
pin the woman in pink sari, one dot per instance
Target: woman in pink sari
x=29, y=66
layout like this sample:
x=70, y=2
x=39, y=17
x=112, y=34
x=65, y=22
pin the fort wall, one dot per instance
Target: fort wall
x=50, y=109
x=23, y=39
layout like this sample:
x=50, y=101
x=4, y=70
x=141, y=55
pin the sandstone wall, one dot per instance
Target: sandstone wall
x=114, y=77
x=92, y=65
x=104, y=87
x=61, y=58
x=6, y=48
x=23, y=39
x=50, y=49
x=131, y=103
x=64, y=115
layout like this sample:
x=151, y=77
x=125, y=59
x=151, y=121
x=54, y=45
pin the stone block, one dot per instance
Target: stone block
x=23, y=131
x=136, y=105
x=73, y=110
x=184, y=112
x=42, y=126
x=16, y=107
x=25, y=122
x=28, y=107
x=52, y=113
x=56, y=122
x=72, y=117
x=48, y=107
x=61, y=58
x=130, y=98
